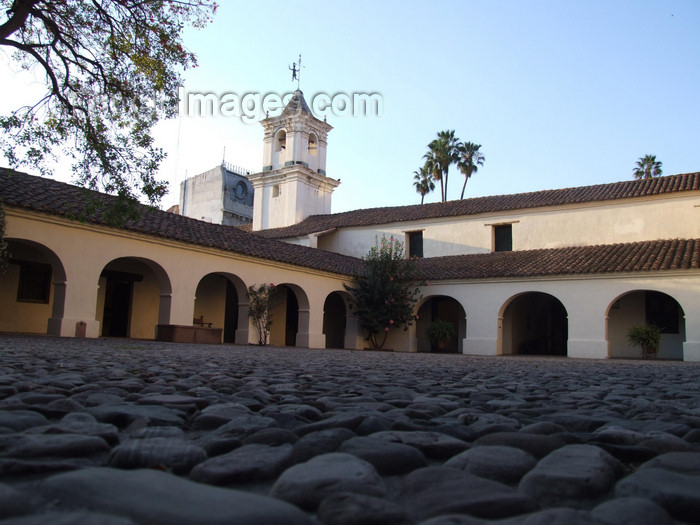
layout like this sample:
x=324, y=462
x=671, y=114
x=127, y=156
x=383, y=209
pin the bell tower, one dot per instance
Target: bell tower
x=293, y=183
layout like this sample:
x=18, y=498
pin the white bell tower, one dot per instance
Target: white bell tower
x=293, y=183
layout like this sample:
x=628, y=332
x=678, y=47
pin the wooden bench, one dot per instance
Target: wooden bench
x=200, y=321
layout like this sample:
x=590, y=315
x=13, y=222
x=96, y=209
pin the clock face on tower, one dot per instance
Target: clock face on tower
x=240, y=191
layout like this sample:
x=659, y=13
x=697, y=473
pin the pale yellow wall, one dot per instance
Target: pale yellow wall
x=278, y=312
x=666, y=217
x=144, y=308
x=85, y=250
x=211, y=300
x=16, y=316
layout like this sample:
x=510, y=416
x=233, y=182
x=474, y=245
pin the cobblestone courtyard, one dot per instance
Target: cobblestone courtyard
x=120, y=431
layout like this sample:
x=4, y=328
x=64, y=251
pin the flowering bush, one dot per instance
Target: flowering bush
x=259, y=310
x=385, y=294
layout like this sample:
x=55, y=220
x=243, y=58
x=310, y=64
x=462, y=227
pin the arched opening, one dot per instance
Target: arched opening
x=290, y=316
x=642, y=307
x=313, y=145
x=219, y=301
x=534, y=323
x=280, y=141
x=441, y=308
x=335, y=320
x=133, y=298
x=279, y=148
x=32, y=290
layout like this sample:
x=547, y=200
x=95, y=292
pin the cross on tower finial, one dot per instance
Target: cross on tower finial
x=295, y=68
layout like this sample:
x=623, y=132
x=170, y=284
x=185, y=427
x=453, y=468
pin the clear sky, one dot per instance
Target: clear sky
x=558, y=93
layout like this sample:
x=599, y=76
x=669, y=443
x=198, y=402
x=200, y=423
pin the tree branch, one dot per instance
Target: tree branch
x=20, y=12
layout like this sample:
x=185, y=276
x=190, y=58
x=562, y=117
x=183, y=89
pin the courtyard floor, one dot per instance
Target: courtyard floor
x=122, y=432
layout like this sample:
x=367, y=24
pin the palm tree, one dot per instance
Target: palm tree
x=469, y=158
x=442, y=152
x=647, y=167
x=423, y=182
x=432, y=168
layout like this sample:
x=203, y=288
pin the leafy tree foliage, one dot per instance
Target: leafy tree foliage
x=647, y=167
x=4, y=247
x=423, y=182
x=259, y=309
x=385, y=294
x=112, y=70
x=446, y=150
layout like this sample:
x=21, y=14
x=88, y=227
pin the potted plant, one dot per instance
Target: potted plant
x=441, y=332
x=647, y=337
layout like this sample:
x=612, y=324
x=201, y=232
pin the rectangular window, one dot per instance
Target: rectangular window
x=34, y=282
x=415, y=244
x=503, y=238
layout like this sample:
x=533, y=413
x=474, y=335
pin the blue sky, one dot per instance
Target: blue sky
x=558, y=93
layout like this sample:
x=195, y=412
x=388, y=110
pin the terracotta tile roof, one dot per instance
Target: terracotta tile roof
x=491, y=204
x=57, y=198
x=643, y=256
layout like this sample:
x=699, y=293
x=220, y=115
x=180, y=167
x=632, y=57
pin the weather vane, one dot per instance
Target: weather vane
x=295, y=68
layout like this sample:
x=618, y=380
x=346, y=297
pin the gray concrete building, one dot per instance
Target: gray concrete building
x=221, y=195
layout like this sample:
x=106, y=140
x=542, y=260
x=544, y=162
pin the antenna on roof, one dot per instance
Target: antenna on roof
x=223, y=158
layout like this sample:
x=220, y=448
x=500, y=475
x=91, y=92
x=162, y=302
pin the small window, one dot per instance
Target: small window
x=503, y=238
x=415, y=244
x=313, y=145
x=276, y=190
x=34, y=283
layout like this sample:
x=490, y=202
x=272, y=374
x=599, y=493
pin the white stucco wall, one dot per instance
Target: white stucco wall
x=587, y=301
x=288, y=195
x=665, y=217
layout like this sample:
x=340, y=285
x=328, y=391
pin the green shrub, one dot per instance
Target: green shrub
x=384, y=295
x=441, y=332
x=647, y=337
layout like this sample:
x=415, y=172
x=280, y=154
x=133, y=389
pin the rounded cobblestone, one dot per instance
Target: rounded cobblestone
x=333, y=436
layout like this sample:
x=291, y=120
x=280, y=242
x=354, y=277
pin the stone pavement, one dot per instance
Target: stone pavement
x=118, y=432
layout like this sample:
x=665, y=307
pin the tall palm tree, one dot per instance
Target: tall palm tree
x=432, y=168
x=451, y=155
x=647, y=167
x=423, y=182
x=469, y=159
x=442, y=152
